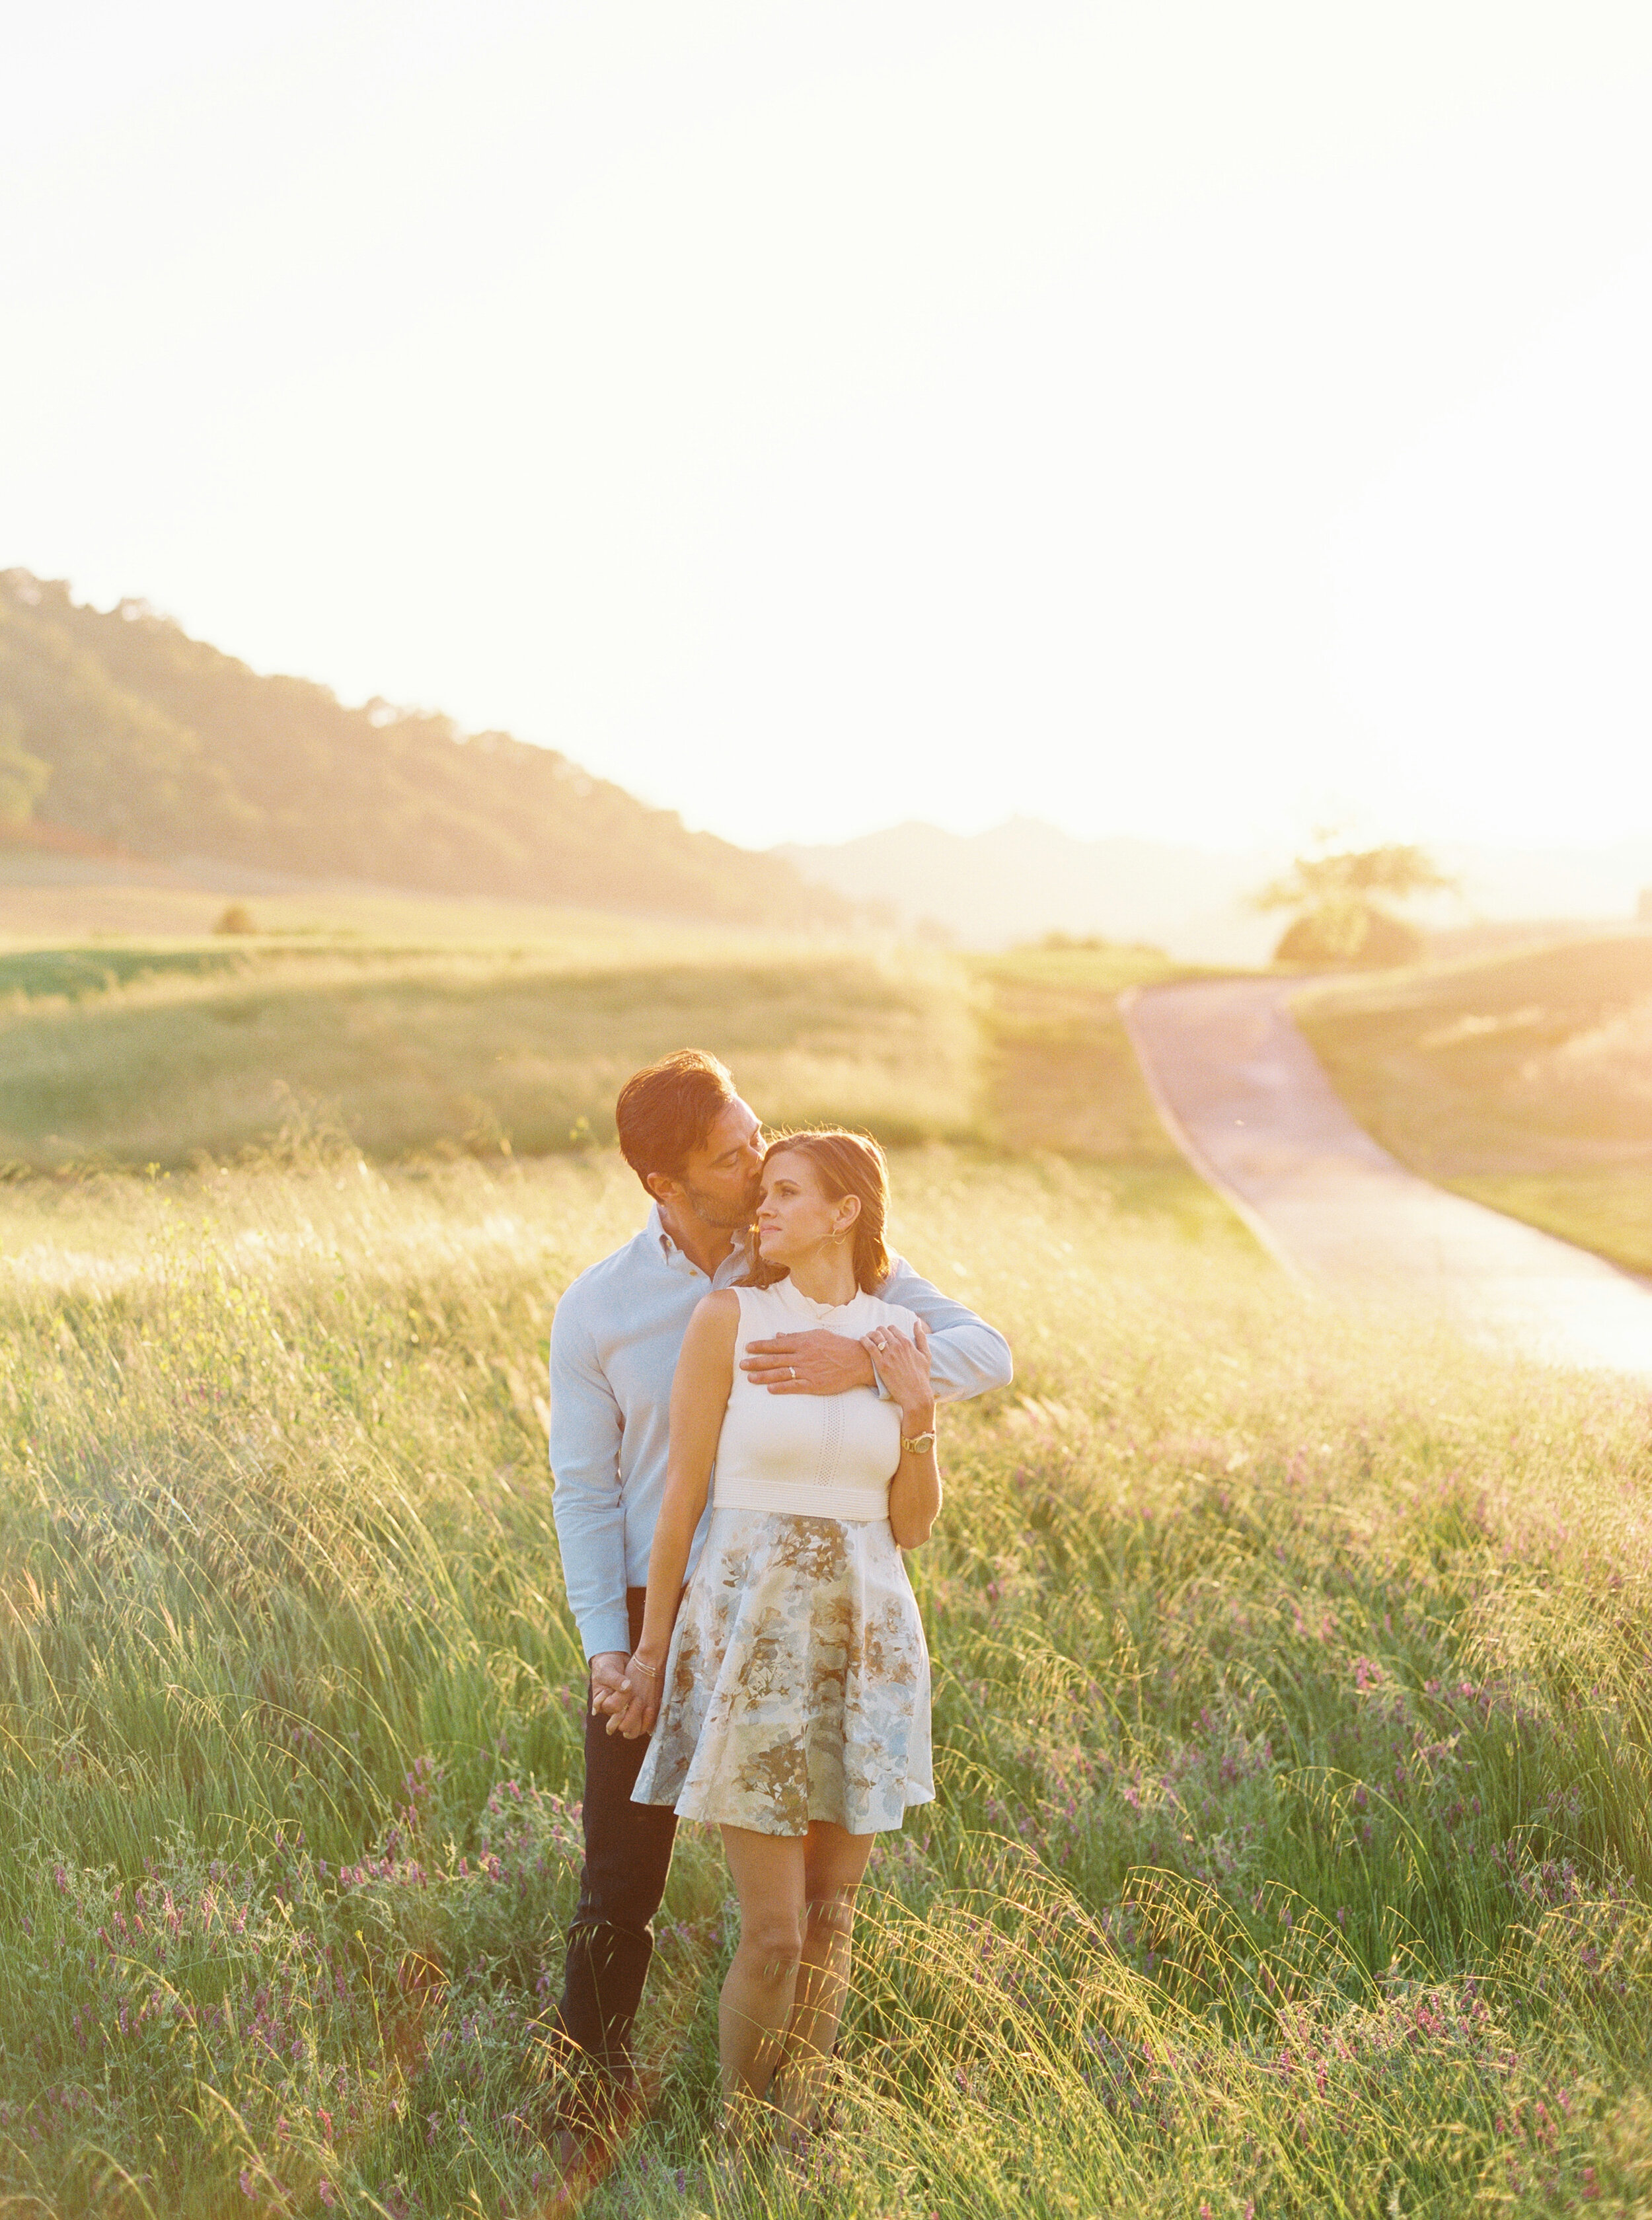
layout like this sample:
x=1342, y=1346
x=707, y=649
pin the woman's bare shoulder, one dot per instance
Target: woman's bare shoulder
x=716, y=1316
x=708, y=1352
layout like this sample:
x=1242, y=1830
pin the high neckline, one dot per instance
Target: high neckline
x=807, y=1304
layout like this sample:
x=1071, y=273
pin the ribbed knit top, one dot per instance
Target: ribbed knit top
x=820, y=1457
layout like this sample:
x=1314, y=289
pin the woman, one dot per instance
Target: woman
x=791, y=1699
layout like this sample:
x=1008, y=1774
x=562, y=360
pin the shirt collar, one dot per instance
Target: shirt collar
x=670, y=1254
x=654, y=1233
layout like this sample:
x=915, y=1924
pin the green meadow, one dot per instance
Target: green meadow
x=173, y=1053
x=1293, y=1852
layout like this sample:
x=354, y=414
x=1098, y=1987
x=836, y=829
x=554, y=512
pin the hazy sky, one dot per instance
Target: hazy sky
x=1191, y=420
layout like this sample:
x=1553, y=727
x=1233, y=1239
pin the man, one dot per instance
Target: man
x=698, y=1151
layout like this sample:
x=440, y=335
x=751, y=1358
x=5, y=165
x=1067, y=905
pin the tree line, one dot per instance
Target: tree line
x=117, y=726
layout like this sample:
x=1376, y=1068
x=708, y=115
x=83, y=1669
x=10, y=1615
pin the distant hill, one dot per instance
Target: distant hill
x=1025, y=878
x=117, y=728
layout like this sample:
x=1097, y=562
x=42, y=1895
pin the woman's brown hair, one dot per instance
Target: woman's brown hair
x=845, y=1163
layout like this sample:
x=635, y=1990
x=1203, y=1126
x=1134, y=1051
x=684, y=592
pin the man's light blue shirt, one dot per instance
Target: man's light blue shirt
x=614, y=1344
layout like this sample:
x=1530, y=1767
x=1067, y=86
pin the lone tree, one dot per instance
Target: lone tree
x=1339, y=919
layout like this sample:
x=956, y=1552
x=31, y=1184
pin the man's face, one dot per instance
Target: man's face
x=722, y=1179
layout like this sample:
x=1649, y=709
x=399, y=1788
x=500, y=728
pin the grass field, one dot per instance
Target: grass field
x=1523, y=1080
x=1293, y=1848
x=53, y=900
x=133, y=1053
x=130, y=1052
x=1062, y=1072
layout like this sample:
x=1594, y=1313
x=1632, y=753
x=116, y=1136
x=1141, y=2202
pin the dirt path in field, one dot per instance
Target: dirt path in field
x=1248, y=1103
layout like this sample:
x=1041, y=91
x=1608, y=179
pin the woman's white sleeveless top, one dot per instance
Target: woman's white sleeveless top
x=820, y=1457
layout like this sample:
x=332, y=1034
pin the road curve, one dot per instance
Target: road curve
x=1249, y=1104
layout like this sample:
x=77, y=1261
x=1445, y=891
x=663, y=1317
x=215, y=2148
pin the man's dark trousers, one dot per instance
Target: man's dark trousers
x=627, y=1856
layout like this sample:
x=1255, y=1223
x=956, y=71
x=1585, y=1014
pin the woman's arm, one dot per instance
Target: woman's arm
x=705, y=1371
x=915, y=1490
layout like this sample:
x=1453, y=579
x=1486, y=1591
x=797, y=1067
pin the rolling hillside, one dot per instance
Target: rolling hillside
x=1521, y=1079
x=1025, y=878
x=116, y=728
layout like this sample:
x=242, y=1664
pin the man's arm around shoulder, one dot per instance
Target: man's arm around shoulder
x=966, y=1356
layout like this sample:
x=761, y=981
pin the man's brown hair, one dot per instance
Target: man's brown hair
x=665, y=1111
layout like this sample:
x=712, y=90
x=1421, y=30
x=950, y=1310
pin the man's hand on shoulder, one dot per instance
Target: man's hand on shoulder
x=816, y=1363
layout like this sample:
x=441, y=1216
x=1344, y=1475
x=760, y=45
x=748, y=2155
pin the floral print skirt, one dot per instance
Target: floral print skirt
x=797, y=1685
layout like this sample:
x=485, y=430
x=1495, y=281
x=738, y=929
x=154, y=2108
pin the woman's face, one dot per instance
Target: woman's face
x=795, y=1216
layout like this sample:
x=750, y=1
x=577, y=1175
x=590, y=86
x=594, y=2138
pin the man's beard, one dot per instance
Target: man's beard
x=711, y=1210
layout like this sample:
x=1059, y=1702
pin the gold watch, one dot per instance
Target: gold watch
x=916, y=1445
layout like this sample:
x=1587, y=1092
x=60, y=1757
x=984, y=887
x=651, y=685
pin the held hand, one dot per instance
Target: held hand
x=607, y=1669
x=815, y=1363
x=636, y=1708
x=902, y=1361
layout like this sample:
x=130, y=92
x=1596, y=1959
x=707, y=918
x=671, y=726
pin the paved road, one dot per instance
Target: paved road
x=1248, y=1102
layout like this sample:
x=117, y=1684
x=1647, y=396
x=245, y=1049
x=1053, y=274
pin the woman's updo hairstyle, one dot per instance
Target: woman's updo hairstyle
x=845, y=1163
